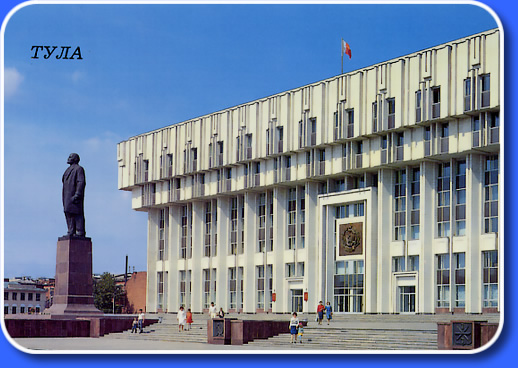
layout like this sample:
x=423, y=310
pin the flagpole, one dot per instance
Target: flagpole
x=342, y=48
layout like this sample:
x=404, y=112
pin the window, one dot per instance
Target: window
x=436, y=102
x=233, y=226
x=398, y=264
x=30, y=296
x=490, y=279
x=415, y=205
x=491, y=195
x=460, y=199
x=349, y=286
x=322, y=161
x=162, y=233
x=493, y=123
x=13, y=309
x=400, y=205
x=374, y=117
x=443, y=200
x=242, y=223
x=169, y=164
x=467, y=94
x=161, y=299
x=400, y=141
x=248, y=140
x=22, y=296
x=350, y=123
x=146, y=170
x=220, y=153
x=261, y=210
x=211, y=155
x=194, y=156
x=302, y=216
x=391, y=109
x=427, y=136
x=271, y=224
x=182, y=280
x=444, y=137
x=206, y=288
x=290, y=270
x=302, y=134
x=208, y=229
x=359, y=152
x=443, y=280
x=259, y=276
x=292, y=217
x=484, y=90
x=300, y=269
x=384, y=149
x=6, y=309
x=475, y=131
x=313, y=137
x=280, y=139
x=6, y=295
x=38, y=297
x=184, y=233
x=418, y=109
x=257, y=173
x=459, y=263
x=14, y=296
x=269, y=279
x=232, y=287
x=268, y=141
x=413, y=263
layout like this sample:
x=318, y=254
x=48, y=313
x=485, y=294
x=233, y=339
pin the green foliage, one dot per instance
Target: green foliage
x=105, y=289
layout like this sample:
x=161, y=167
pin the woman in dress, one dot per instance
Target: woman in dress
x=181, y=316
x=294, y=324
x=329, y=312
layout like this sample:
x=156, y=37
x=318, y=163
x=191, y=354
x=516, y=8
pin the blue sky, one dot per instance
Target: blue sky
x=146, y=67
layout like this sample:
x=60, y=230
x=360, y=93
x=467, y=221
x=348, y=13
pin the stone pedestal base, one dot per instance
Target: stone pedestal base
x=73, y=293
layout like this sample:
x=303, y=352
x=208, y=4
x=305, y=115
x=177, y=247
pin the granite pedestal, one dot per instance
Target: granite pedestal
x=73, y=292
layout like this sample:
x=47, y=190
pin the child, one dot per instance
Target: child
x=189, y=319
x=134, y=326
x=294, y=322
x=301, y=332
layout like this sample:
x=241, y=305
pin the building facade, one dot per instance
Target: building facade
x=376, y=190
x=23, y=297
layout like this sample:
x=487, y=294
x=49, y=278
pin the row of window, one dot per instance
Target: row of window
x=450, y=202
x=343, y=129
x=13, y=309
x=14, y=296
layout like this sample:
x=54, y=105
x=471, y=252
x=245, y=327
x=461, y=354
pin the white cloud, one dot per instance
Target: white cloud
x=13, y=80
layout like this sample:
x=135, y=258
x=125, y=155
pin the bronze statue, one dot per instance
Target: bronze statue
x=73, y=196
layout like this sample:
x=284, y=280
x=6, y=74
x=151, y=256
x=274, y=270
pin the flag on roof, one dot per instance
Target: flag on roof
x=346, y=49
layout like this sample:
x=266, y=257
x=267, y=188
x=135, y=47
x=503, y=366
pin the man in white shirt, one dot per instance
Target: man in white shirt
x=212, y=310
x=141, y=318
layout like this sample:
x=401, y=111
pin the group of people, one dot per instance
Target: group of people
x=321, y=308
x=297, y=328
x=214, y=314
x=138, y=323
x=184, y=318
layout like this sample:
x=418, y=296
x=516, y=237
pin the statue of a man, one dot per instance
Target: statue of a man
x=73, y=196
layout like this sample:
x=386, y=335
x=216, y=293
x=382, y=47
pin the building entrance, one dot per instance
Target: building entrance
x=296, y=300
x=407, y=299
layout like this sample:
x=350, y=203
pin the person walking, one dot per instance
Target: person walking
x=294, y=323
x=188, y=319
x=181, y=317
x=329, y=312
x=320, y=312
x=300, y=331
x=134, y=325
x=141, y=319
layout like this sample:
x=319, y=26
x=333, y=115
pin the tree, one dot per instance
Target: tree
x=105, y=292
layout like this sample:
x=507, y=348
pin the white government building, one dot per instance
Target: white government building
x=376, y=190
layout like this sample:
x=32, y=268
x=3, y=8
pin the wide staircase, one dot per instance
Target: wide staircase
x=345, y=332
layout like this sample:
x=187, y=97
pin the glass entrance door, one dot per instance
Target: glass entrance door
x=407, y=299
x=296, y=300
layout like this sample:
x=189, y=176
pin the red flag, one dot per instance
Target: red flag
x=346, y=49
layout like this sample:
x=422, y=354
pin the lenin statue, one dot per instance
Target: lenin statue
x=73, y=196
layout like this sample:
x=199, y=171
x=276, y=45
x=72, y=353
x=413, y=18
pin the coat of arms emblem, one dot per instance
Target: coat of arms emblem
x=351, y=239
